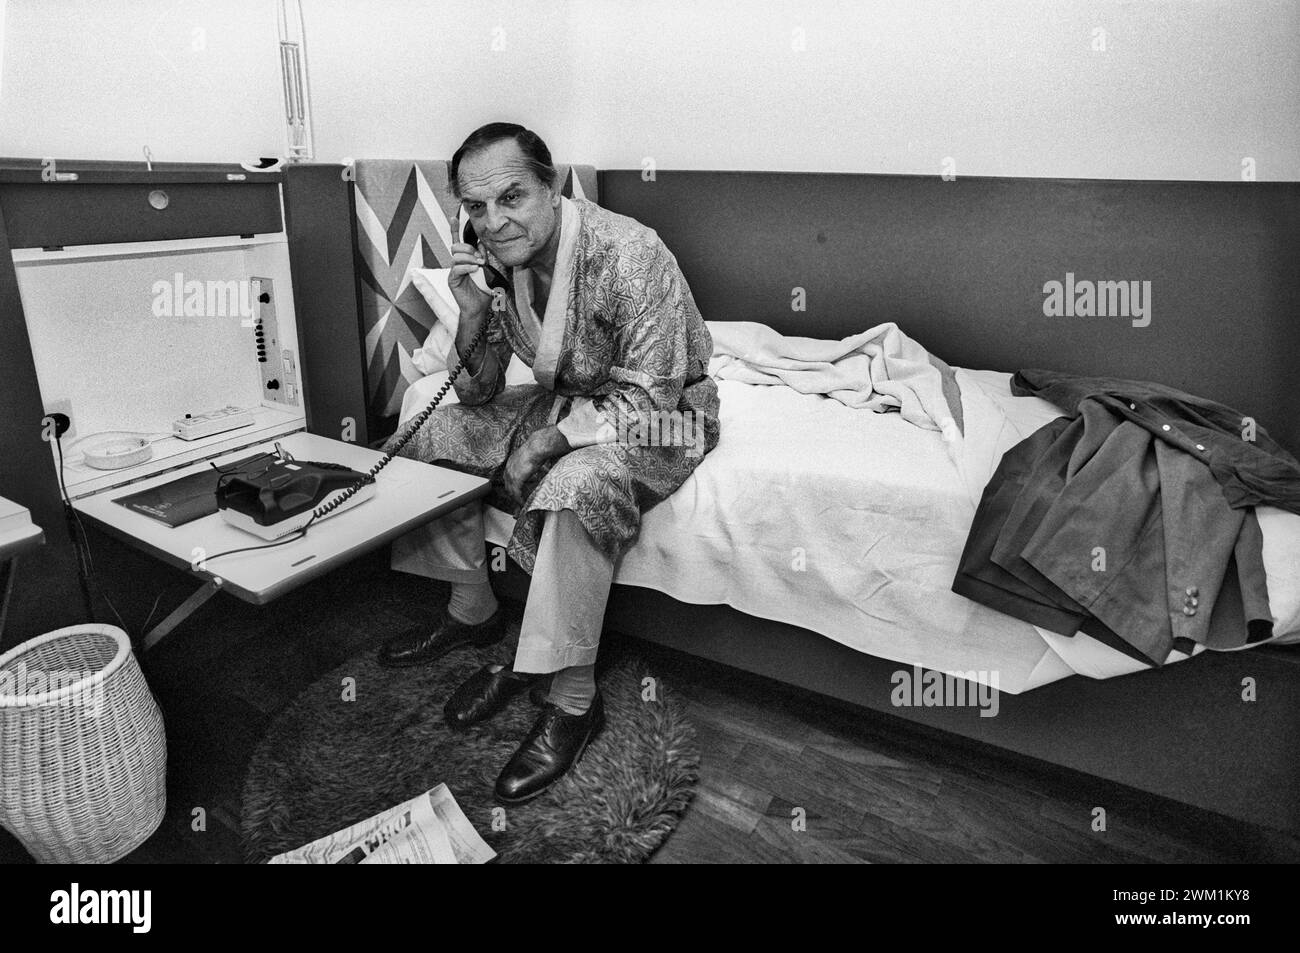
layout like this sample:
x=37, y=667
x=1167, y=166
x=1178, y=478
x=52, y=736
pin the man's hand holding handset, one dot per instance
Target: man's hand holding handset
x=475, y=305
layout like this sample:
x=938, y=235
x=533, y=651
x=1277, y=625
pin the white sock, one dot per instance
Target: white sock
x=472, y=602
x=574, y=688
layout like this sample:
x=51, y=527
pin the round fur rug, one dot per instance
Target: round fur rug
x=327, y=762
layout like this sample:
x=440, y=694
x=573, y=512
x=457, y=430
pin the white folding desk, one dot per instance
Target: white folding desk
x=407, y=494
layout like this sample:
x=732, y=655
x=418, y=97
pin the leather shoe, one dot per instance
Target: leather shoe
x=553, y=746
x=422, y=646
x=482, y=695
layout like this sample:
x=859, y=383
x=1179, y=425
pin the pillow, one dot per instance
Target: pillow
x=431, y=356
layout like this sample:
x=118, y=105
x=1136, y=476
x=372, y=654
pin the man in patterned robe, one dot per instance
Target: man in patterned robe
x=623, y=410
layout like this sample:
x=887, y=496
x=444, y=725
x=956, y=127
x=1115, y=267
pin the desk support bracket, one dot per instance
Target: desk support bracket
x=8, y=569
x=182, y=612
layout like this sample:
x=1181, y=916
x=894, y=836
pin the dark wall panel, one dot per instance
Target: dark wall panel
x=319, y=213
x=961, y=266
x=26, y=476
x=108, y=203
x=77, y=213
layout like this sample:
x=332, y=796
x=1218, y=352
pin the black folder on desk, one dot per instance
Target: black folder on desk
x=191, y=497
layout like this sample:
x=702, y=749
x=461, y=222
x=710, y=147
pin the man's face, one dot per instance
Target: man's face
x=515, y=215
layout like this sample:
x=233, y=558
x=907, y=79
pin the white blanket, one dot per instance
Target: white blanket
x=880, y=369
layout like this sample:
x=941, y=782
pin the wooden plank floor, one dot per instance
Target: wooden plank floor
x=786, y=777
x=876, y=791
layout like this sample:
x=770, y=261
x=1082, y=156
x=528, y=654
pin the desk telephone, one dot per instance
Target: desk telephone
x=289, y=495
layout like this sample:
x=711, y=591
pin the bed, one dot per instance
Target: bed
x=745, y=564
x=851, y=523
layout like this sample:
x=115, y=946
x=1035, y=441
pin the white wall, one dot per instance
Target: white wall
x=195, y=80
x=1185, y=89
x=3, y=10
x=403, y=78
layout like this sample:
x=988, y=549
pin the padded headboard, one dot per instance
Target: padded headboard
x=402, y=211
x=961, y=266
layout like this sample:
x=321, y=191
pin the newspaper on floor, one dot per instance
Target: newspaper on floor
x=428, y=829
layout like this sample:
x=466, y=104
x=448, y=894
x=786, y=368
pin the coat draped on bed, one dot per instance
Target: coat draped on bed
x=1132, y=519
x=622, y=350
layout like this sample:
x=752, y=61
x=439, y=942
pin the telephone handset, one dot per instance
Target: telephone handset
x=494, y=278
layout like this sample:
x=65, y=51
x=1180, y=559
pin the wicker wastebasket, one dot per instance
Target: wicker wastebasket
x=83, y=756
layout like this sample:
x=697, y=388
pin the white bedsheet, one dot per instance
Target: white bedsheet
x=851, y=524
x=842, y=521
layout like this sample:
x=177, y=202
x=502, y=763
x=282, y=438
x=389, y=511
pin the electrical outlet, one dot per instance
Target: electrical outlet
x=63, y=406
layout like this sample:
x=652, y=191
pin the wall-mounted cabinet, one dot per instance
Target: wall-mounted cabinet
x=131, y=297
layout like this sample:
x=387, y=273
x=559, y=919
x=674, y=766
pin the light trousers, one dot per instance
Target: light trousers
x=566, y=600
